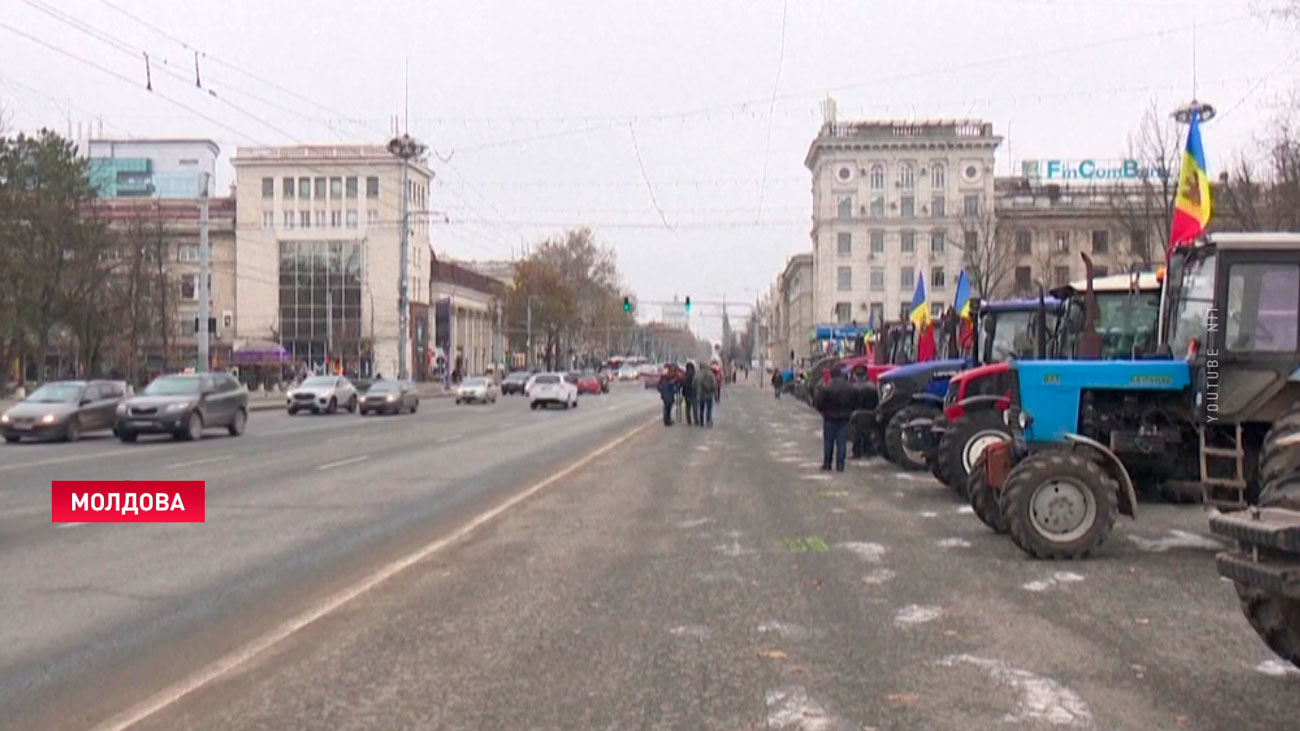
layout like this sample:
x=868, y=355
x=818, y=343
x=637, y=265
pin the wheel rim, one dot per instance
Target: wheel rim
x=976, y=445
x=239, y=421
x=196, y=427
x=74, y=431
x=1062, y=509
x=915, y=456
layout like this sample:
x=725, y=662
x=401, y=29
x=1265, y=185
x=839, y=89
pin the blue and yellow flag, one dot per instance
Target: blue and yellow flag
x=920, y=313
x=961, y=303
x=1192, y=206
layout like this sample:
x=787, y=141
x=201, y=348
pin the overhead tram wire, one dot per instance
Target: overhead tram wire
x=771, y=106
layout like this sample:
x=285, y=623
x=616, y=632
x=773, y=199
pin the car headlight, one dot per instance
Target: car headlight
x=4, y=418
x=390, y=397
x=886, y=391
x=121, y=408
x=47, y=419
x=177, y=407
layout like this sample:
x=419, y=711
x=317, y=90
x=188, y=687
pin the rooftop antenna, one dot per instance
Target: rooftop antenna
x=407, y=100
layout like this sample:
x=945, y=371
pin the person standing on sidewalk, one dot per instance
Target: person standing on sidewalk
x=706, y=390
x=689, y=391
x=777, y=382
x=667, y=392
x=835, y=401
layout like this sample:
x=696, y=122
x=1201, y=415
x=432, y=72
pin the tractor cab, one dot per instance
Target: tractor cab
x=1192, y=415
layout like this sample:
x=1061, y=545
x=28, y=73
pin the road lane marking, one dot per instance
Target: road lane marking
x=448, y=438
x=342, y=462
x=284, y=630
x=70, y=525
x=208, y=460
x=80, y=458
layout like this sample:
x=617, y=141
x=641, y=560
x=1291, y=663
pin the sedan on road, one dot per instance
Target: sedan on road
x=322, y=394
x=476, y=390
x=390, y=397
x=553, y=389
x=590, y=383
x=515, y=383
x=627, y=373
x=184, y=406
x=63, y=410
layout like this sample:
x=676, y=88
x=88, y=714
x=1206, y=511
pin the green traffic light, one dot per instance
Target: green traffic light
x=627, y=305
x=688, y=304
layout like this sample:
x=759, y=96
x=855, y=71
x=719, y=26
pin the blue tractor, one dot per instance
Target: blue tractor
x=1197, y=410
x=911, y=396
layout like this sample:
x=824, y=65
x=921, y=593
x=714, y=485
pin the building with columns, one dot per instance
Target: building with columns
x=467, y=333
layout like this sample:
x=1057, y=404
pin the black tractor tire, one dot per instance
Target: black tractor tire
x=939, y=468
x=894, y=450
x=1038, y=472
x=983, y=498
x=960, y=439
x=1279, y=464
x=1275, y=618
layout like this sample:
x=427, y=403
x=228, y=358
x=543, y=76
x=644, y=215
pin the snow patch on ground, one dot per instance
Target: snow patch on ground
x=839, y=511
x=916, y=614
x=787, y=631
x=1058, y=578
x=929, y=514
x=816, y=477
x=965, y=510
x=871, y=552
x=953, y=543
x=733, y=549
x=1277, y=668
x=790, y=708
x=694, y=523
x=878, y=576
x=1041, y=698
x=1176, y=539
x=716, y=576
x=696, y=631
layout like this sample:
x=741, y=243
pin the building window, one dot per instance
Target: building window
x=937, y=207
x=877, y=279
x=877, y=242
x=304, y=219
x=971, y=205
x=908, y=241
x=844, y=243
x=320, y=219
x=1024, y=280
x=288, y=219
x=372, y=217
x=1060, y=276
x=311, y=274
x=336, y=188
x=878, y=206
x=904, y=310
x=320, y=189
x=268, y=187
x=352, y=219
x=936, y=242
x=877, y=177
x=304, y=188
x=906, y=176
x=1061, y=241
x=1024, y=242
x=877, y=312
x=336, y=219
x=936, y=309
x=972, y=241
x=352, y=187
x=1100, y=241
x=1100, y=271
x=844, y=208
x=908, y=206
x=1139, y=244
x=844, y=174
x=372, y=187
x=937, y=278
x=844, y=279
x=189, y=287
x=188, y=252
x=268, y=219
x=936, y=176
x=286, y=188
x=907, y=278
x=843, y=311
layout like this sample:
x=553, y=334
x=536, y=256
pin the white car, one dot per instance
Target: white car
x=627, y=373
x=553, y=388
x=477, y=389
x=322, y=394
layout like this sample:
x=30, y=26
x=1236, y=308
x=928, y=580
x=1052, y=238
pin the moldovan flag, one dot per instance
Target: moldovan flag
x=961, y=303
x=1192, y=206
x=920, y=317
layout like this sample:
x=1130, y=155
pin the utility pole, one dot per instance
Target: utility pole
x=528, y=357
x=501, y=344
x=205, y=267
x=329, y=324
x=404, y=147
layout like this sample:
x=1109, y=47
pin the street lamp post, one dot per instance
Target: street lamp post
x=529, y=359
x=406, y=148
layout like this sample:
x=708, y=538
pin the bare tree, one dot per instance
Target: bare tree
x=1264, y=195
x=1143, y=210
x=987, y=255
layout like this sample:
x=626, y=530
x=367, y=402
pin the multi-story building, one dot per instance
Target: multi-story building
x=319, y=244
x=797, y=297
x=467, y=324
x=894, y=201
x=140, y=168
x=499, y=269
x=675, y=314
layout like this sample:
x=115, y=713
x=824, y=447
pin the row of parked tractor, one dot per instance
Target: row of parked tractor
x=1051, y=414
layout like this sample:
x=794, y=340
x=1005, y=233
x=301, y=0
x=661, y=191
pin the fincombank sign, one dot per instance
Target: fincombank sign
x=1090, y=170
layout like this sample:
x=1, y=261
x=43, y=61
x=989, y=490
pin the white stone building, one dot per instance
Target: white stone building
x=318, y=254
x=797, y=285
x=894, y=200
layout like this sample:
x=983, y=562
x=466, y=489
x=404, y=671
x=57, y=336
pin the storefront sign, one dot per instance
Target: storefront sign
x=1089, y=170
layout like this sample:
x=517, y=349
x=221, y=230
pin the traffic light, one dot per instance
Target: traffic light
x=688, y=303
x=627, y=304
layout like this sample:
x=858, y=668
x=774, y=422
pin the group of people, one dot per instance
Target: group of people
x=841, y=403
x=693, y=391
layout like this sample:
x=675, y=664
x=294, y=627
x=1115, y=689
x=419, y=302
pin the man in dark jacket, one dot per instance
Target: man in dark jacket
x=777, y=382
x=836, y=401
x=668, y=392
x=688, y=393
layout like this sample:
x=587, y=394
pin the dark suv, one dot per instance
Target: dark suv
x=184, y=406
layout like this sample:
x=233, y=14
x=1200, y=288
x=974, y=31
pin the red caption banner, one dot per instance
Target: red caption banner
x=127, y=501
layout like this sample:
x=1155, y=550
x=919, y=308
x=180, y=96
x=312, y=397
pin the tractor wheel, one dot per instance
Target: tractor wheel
x=965, y=440
x=895, y=451
x=1059, y=505
x=1279, y=464
x=939, y=468
x=1275, y=618
x=983, y=498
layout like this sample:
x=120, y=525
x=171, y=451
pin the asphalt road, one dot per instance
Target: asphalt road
x=674, y=579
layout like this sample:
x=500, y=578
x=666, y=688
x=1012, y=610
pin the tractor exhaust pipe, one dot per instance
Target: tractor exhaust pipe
x=1089, y=340
x=1040, y=325
x=975, y=319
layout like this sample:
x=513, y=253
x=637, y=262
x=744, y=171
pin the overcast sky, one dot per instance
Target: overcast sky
x=536, y=105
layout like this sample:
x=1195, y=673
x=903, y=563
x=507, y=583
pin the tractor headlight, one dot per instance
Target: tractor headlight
x=886, y=391
x=1024, y=420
